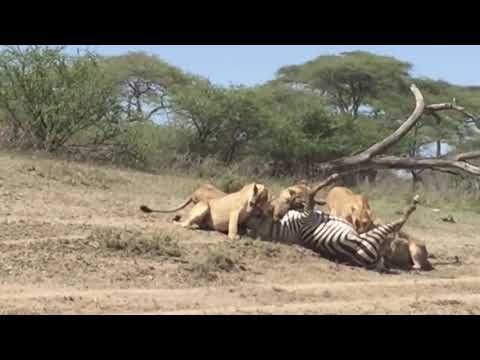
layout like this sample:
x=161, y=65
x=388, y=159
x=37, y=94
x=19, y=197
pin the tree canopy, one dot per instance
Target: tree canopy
x=330, y=107
x=350, y=80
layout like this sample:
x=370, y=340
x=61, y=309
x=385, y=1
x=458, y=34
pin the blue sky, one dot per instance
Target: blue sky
x=253, y=64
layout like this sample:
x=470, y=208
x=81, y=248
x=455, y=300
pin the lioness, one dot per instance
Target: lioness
x=291, y=198
x=406, y=252
x=265, y=221
x=225, y=214
x=204, y=193
x=262, y=219
x=343, y=203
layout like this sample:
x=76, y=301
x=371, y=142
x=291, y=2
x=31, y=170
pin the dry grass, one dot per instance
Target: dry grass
x=437, y=191
x=207, y=266
x=134, y=243
x=72, y=240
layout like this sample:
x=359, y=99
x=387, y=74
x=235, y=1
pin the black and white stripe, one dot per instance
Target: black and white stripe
x=334, y=238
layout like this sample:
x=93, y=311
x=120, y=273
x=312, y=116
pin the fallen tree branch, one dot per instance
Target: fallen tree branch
x=382, y=146
x=392, y=162
x=465, y=156
x=450, y=172
x=391, y=140
x=370, y=158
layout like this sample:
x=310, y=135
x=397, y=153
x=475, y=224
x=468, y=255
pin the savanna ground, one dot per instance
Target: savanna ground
x=73, y=241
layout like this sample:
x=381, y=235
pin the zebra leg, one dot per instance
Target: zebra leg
x=406, y=214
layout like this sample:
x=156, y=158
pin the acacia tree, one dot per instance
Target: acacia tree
x=145, y=83
x=220, y=120
x=297, y=130
x=353, y=81
x=350, y=80
x=50, y=97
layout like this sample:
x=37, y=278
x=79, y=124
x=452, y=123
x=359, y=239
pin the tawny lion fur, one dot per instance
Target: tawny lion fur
x=261, y=222
x=343, y=203
x=291, y=198
x=225, y=214
x=204, y=193
x=406, y=252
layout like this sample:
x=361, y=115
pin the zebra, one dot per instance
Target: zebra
x=329, y=236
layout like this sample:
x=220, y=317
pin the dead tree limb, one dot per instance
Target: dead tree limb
x=392, y=162
x=445, y=171
x=372, y=157
x=381, y=147
x=449, y=106
x=470, y=117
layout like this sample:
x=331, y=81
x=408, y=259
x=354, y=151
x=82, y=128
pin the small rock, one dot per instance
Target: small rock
x=94, y=244
x=326, y=294
x=242, y=268
x=449, y=219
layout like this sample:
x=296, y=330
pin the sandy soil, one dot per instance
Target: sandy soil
x=72, y=241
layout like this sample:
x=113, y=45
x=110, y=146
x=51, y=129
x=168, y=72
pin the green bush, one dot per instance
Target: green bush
x=49, y=97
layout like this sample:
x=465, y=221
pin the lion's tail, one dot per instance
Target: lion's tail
x=147, y=210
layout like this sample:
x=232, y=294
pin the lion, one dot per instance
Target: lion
x=291, y=198
x=408, y=253
x=297, y=197
x=405, y=252
x=227, y=213
x=204, y=193
x=343, y=203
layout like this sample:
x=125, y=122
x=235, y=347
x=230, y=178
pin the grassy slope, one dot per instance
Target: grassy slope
x=73, y=241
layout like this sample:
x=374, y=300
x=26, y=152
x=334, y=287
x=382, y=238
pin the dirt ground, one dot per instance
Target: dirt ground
x=72, y=241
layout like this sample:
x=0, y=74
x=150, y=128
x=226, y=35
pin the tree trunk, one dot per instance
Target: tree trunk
x=231, y=153
x=139, y=107
x=416, y=179
x=439, y=148
x=374, y=157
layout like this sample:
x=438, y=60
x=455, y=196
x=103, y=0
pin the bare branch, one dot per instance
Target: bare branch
x=391, y=140
x=471, y=118
x=444, y=171
x=154, y=111
x=449, y=106
x=392, y=162
x=370, y=158
x=466, y=156
x=387, y=143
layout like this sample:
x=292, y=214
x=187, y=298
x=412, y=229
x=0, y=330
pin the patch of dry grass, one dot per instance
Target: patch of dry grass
x=207, y=266
x=75, y=174
x=135, y=243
